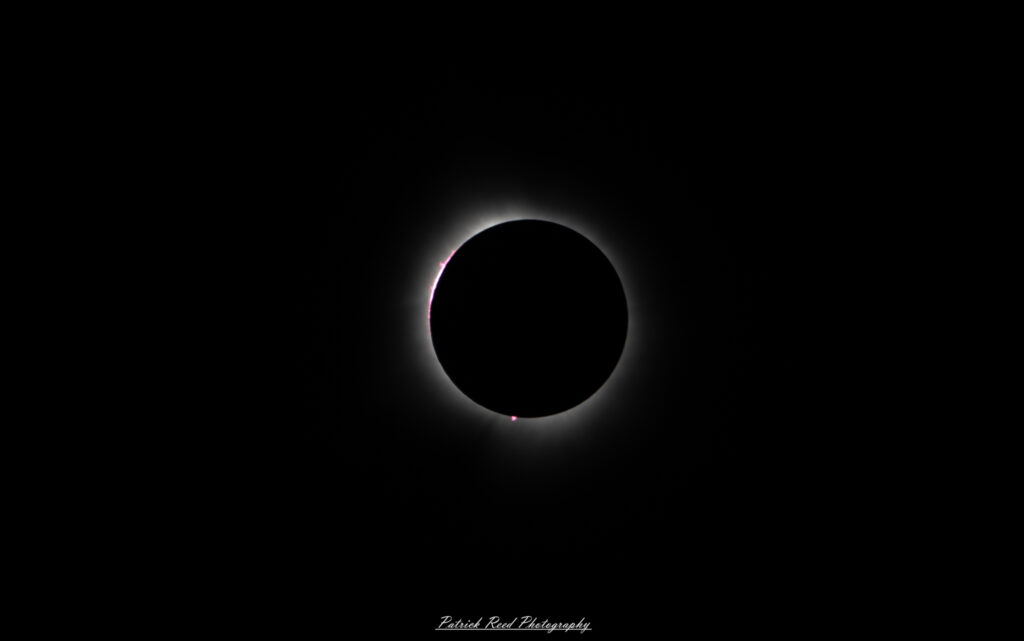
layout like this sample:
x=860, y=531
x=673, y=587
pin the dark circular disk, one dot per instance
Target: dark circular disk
x=528, y=318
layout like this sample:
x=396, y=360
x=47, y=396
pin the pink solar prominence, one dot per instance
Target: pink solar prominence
x=437, y=280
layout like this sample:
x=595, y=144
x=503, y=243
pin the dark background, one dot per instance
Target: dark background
x=725, y=480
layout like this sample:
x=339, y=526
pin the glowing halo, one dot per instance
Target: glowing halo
x=445, y=241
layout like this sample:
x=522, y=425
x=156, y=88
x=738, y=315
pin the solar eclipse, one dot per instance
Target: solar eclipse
x=528, y=318
x=462, y=217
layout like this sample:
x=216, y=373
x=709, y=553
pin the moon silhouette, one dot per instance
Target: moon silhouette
x=528, y=318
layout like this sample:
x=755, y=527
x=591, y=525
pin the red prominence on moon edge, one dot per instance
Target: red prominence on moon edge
x=436, y=281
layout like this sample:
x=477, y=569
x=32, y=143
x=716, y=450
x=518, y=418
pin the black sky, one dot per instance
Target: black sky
x=714, y=483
